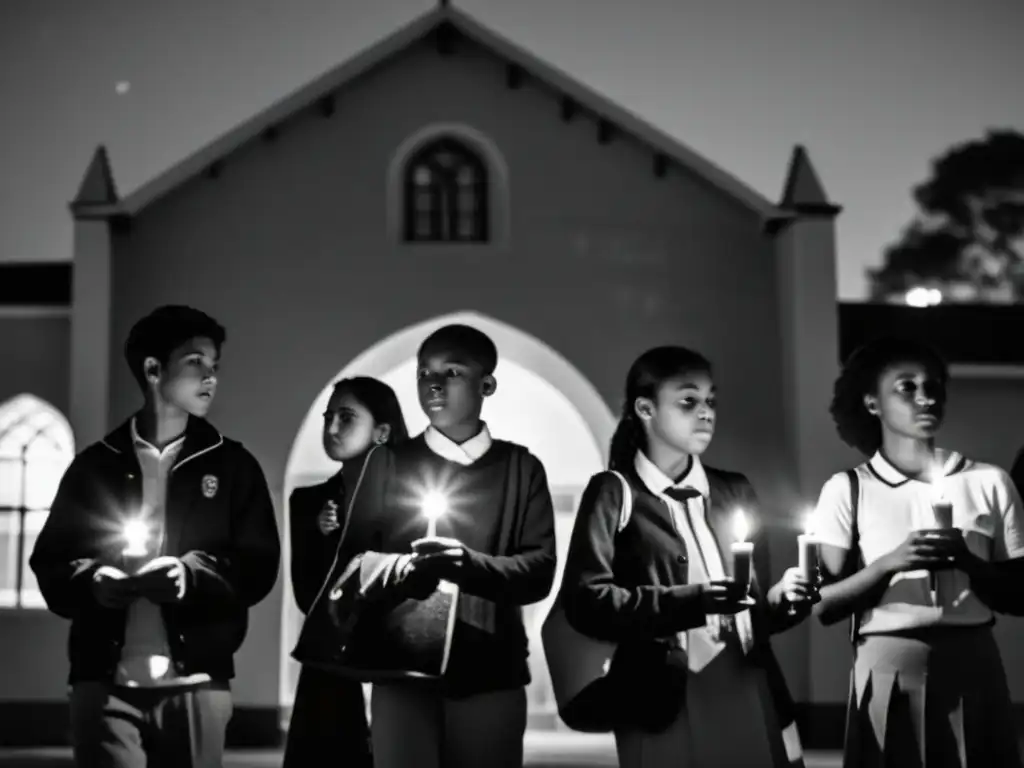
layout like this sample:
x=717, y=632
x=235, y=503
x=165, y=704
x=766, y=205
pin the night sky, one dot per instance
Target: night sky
x=874, y=88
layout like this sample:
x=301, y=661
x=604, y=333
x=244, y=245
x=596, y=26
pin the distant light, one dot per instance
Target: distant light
x=923, y=297
x=122, y=87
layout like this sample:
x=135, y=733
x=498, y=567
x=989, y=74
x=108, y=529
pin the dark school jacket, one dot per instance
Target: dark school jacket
x=515, y=567
x=220, y=523
x=631, y=587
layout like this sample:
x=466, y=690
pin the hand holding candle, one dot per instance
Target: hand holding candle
x=742, y=551
x=942, y=509
x=807, y=565
x=437, y=556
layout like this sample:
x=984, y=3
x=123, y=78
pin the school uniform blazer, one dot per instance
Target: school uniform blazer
x=312, y=553
x=631, y=587
x=220, y=523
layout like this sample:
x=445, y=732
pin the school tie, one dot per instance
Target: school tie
x=703, y=644
x=682, y=494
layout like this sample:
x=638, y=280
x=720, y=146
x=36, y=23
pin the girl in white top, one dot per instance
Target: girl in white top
x=928, y=686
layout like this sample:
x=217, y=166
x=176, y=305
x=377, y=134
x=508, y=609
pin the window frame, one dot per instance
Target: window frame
x=447, y=214
x=18, y=597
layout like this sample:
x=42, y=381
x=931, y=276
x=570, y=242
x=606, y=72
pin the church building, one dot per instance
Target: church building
x=445, y=174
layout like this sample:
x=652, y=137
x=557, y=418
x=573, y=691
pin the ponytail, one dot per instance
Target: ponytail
x=629, y=438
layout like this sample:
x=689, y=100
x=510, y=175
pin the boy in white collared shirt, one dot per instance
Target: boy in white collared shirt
x=496, y=542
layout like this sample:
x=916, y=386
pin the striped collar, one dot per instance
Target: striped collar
x=949, y=463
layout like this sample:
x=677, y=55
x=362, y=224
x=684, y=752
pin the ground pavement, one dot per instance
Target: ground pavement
x=543, y=750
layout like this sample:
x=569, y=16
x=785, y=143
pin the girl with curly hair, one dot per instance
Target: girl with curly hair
x=927, y=685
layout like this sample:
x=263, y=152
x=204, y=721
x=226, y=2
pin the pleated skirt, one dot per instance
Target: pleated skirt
x=938, y=699
x=729, y=720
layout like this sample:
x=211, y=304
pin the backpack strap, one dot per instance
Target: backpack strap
x=626, y=509
x=854, y=540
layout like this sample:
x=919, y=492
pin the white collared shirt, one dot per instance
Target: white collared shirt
x=698, y=538
x=146, y=656
x=460, y=453
x=986, y=507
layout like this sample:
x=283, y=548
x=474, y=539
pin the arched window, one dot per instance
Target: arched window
x=445, y=185
x=36, y=447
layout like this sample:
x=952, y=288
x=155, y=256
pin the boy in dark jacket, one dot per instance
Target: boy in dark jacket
x=495, y=541
x=161, y=537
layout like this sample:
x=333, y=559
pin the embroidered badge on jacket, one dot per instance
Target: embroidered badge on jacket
x=209, y=486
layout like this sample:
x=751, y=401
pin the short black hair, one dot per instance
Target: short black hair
x=857, y=427
x=165, y=329
x=475, y=344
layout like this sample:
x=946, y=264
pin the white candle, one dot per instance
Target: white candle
x=807, y=549
x=742, y=551
x=136, y=535
x=941, y=507
x=433, y=505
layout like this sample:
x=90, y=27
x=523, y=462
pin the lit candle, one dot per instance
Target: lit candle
x=433, y=505
x=941, y=506
x=942, y=509
x=135, y=534
x=807, y=548
x=742, y=550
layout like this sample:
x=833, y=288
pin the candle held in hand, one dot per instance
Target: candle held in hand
x=434, y=505
x=135, y=534
x=742, y=551
x=807, y=548
x=941, y=507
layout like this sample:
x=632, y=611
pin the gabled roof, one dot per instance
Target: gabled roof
x=418, y=29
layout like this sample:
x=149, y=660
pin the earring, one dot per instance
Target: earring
x=380, y=440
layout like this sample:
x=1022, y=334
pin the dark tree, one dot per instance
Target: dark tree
x=968, y=239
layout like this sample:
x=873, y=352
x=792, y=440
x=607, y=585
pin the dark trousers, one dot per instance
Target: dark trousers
x=328, y=724
x=115, y=727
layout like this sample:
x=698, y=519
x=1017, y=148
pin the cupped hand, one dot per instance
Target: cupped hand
x=723, y=596
x=161, y=580
x=926, y=550
x=327, y=519
x=112, y=587
x=796, y=588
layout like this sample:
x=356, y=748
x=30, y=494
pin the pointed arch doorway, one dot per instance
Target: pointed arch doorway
x=542, y=402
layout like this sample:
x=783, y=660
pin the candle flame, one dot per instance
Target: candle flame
x=741, y=527
x=434, y=505
x=135, y=534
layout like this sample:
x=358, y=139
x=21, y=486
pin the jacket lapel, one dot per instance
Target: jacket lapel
x=720, y=519
x=128, y=487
